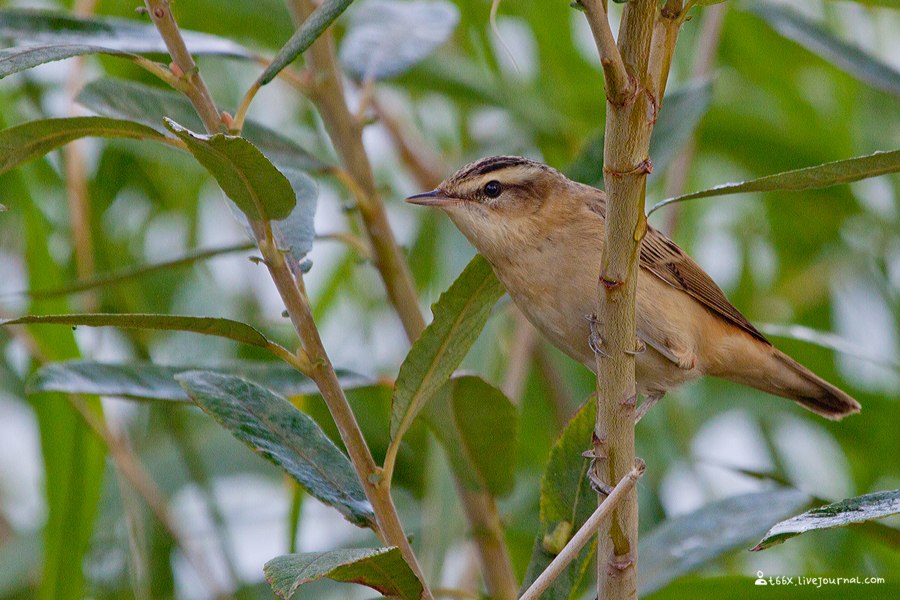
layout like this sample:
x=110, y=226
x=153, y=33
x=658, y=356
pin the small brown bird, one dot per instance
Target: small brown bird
x=542, y=233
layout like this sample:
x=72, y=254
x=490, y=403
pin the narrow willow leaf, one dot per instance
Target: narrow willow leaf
x=36, y=138
x=818, y=40
x=681, y=113
x=130, y=274
x=709, y=532
x=22, y=58
x=48, y=36
x=304, y=37
x=147, y=381
x=838, y=514
x=387, y=37
x=273, y=428
x=459, y=316
x=382, y=569
x=477, y=425
x=226, y=328
x=246, y=176
x=149, y=105
x=567, y=501
x=128, y=35
x=808, y=178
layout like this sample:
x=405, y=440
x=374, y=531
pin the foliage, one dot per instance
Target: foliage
x=111, y=248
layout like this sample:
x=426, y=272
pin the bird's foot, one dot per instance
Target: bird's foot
x=647, y=404
x=594, y=340
x=595, y=453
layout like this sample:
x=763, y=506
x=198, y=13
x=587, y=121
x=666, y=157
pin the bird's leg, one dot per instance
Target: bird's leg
x=594, y=340
x=647, y=404
x=597, y=452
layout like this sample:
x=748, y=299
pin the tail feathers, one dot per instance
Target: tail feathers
x=777, y=373
x=818, y=395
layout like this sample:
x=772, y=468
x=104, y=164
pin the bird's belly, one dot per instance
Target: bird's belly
x=561, y=315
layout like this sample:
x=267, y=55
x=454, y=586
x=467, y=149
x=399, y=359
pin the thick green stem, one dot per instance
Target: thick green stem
x=645, y=45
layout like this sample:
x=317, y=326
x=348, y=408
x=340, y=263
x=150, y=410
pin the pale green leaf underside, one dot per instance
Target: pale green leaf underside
x=148, y=381
x=276, y=430
x=838, y=514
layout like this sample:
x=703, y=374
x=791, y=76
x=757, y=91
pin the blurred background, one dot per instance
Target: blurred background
x=756, y=88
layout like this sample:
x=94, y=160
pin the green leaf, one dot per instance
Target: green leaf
x=838, y=514
x=273, y=428
x=477, y=425
x=147, y=381
x=22, y=58
x=680, y=545
x=50, y=36
x=742, y=588
x=149, y=105
x=246, y=176
x=226, y=328
x=380, y=568
x=387, y=37
x=567, y=501
x=808, y=178
x=33, y=139
x=681, y=113
x=303, y=38
x=818, y=40
x=372, y=406
x=459, y=316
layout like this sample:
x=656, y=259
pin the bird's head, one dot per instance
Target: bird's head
x=502, y=200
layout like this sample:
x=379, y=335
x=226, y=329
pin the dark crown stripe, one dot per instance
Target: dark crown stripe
x=493, y=163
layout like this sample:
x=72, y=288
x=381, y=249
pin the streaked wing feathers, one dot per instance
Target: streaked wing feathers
x=663, y=258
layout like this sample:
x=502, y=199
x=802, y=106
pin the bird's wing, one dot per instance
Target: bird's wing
x=662, y=257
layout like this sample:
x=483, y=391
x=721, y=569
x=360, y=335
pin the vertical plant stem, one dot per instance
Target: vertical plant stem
x=76, y=178
x=161, y=13
x=312, y=359
x=645, y=45
x=345, y=132
x=321, y=371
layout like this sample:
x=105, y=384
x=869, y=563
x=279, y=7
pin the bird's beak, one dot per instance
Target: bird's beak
x=435, y=197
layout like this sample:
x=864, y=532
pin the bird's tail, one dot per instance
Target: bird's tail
x=779, y=374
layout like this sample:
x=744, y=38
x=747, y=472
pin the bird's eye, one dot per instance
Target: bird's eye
x=492, y=188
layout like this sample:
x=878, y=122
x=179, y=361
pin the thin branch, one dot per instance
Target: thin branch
x=619, y=86
x=293, y=293
x=312, y=358
x=345, y=132
x=704, y=55
x=582, y=536
x=160, y=12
